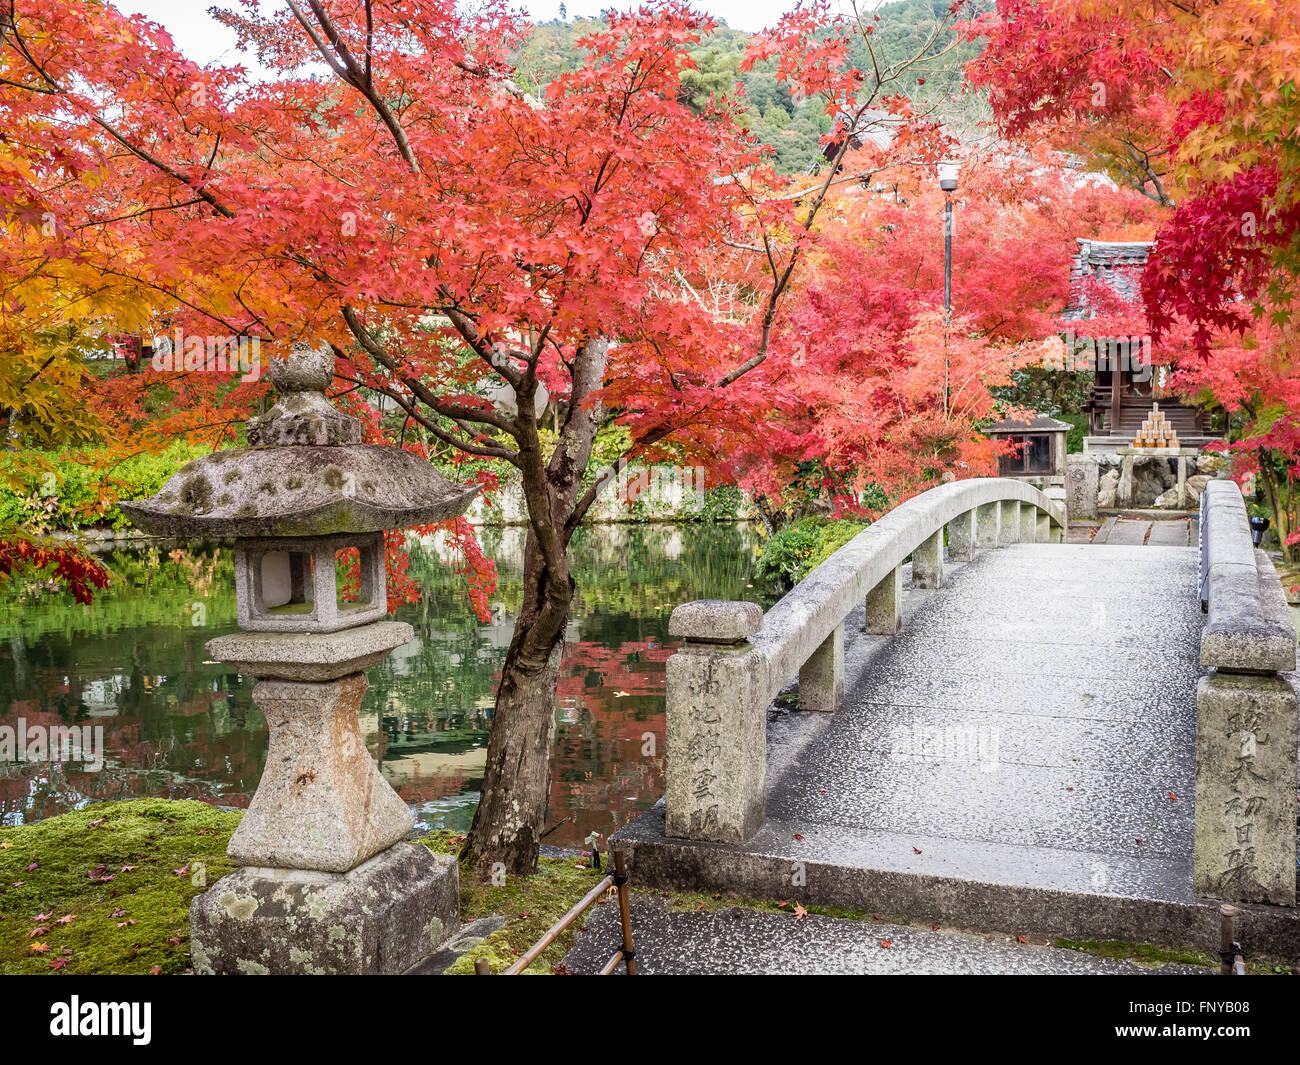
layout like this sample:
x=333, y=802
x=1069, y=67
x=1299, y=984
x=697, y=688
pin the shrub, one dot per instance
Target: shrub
x=47, y=490
x=798, y=548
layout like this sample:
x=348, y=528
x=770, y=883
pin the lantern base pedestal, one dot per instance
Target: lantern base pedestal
x=383, y=917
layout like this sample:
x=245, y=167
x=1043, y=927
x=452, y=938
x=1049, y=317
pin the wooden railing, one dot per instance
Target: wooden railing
x=618, y=880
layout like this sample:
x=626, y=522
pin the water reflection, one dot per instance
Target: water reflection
x=180, y=726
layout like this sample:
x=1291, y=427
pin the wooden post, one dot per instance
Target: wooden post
x=1231, y=961
x=625, y=910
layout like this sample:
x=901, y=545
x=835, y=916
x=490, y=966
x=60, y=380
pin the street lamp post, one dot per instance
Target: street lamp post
x=948, y=171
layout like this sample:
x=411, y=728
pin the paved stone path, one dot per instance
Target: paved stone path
x=738, y=941
x=1136, y=531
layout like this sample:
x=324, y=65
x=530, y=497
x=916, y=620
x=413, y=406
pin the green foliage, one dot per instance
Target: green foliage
x=721, y=504
x=798, y=548
x=134, y=914
x=793, y=128
x=65, y=490
x=1078, y=430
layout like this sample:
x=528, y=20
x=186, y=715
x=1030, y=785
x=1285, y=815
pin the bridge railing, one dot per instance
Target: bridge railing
x=1246, y=707
x=736, y=659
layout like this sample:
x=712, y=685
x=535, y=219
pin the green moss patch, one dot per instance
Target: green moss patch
x=107, y=889
x=530, y=906
x=1139, y=952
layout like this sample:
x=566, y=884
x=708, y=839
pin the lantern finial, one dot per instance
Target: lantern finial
x=302, y=415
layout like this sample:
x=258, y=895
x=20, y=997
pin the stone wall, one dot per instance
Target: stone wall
x=1093, y=481
x=665, y=494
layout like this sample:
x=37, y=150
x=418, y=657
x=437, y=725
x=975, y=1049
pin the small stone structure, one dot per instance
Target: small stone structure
x=1246, y=708
x=1140, y=478
x=735, y=658
x=1041, y=457
x=326, y=883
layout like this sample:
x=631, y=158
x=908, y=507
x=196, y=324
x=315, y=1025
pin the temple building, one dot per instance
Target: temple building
x=1125, y=384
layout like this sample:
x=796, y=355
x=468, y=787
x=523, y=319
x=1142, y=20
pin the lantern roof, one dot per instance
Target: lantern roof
x=305, y=473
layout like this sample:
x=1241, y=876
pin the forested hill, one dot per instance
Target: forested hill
x=792, y=129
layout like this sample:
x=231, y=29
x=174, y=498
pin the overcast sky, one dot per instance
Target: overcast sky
x=203, y=40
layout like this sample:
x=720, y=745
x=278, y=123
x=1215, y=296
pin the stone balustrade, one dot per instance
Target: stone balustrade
x=1246, y=707
x=736, y=658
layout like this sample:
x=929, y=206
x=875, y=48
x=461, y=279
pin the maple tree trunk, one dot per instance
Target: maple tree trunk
x=508, y=823
x=516, y=782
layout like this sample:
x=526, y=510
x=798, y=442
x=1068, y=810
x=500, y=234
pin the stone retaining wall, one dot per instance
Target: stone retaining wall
x=1092, y=480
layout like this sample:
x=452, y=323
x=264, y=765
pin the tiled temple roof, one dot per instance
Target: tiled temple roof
x=1116, y=262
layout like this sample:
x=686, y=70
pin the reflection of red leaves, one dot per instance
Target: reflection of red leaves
x=886, y=944
x=65, y=564
x=1172, y=796
x=797, y=836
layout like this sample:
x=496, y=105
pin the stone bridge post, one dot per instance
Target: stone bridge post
x=1245, y=844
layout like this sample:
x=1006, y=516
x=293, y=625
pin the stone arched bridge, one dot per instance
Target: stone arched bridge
x=995, y=729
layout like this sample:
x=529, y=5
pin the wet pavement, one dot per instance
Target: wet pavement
x=1057, y=725
x=746, y=941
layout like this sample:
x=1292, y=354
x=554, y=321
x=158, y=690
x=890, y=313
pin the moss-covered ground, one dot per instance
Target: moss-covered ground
x=107, y=890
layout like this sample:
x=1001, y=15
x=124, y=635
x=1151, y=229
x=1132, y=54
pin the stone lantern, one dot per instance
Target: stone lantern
x=326, y=883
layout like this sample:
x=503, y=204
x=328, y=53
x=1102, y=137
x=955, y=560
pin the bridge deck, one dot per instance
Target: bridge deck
x=1020, y=757
x=1034, y=723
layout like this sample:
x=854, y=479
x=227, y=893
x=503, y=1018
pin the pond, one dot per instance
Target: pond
x=178, y=725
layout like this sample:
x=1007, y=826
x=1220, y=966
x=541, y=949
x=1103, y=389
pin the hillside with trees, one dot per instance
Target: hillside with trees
x=792, y=126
